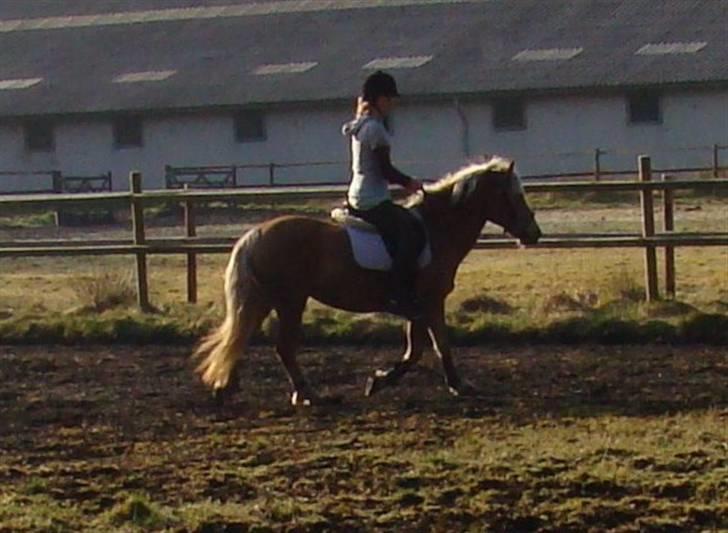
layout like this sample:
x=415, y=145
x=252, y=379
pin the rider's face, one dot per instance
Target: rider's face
x=386, y=104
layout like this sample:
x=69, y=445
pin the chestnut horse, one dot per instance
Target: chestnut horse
x=283, y=262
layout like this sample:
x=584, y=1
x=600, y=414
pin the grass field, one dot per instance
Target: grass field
x=598, y=437
x=507, y=291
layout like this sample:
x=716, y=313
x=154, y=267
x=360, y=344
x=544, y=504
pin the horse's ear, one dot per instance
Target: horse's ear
x=511, y=167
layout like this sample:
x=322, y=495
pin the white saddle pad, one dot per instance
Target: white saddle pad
x=370, y=253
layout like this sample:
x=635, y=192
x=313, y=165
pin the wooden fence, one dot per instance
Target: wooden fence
x=599, y=172
x=225, y=176
x=54, y=181
x=190, y=245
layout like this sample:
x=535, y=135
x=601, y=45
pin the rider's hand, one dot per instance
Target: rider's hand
x=414, y=186
x=362, y=107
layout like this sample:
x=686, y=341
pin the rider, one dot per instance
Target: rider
x=368, y=196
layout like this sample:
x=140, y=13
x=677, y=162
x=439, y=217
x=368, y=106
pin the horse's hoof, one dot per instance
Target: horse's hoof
x=218, y=397
x=301, y=400
x=372, y=386
x=378, y=381
x=221, y=394
x=463, y=390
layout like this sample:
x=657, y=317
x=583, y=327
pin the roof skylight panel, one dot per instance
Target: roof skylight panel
x=659, y=49
x=388, y=63
x=10, y=25
x=284, y=68
x=150, y=75
x=22, y=83
x=547, y=54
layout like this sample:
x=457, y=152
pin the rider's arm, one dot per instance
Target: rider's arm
x=392, y=174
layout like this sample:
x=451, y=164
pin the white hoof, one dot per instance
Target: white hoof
x=298, y=399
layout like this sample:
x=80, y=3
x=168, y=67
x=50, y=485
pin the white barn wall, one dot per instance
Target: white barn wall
x=561, y=134
x=307, y=136
x=695, y=119
x=427, y=139
x=14, y=157
x=85, y=147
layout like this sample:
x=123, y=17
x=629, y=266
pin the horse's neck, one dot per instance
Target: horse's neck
x=454, y=232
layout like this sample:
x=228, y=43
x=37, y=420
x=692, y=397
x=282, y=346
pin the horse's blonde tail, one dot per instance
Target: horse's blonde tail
x=245, y=309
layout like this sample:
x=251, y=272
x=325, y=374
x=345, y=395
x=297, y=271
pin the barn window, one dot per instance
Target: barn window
x=644, y=107
x=128, y=132
x=509, y=114
x=249, y=127
x=39, y=136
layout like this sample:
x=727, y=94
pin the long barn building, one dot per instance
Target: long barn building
x=91, y=86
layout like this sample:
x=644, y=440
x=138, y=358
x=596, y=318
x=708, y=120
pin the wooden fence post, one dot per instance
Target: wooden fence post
x=648, y=229
x=716, y=165
x=272, y=174
x=190, y=231
x=597, y=164
x=137, y=225
x=57, y=187
x=668, y=206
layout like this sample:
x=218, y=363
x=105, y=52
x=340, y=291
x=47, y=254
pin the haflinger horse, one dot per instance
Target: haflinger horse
x=281, y=263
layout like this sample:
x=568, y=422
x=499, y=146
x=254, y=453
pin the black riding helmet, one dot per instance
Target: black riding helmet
x=379, y=84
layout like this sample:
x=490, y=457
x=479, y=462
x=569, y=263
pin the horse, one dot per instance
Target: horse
x=281, y=263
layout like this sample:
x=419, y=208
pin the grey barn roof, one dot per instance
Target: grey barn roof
x=70, y=52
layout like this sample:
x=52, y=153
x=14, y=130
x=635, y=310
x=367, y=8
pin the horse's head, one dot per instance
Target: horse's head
x=496, y=189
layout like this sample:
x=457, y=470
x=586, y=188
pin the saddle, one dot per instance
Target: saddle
x=343, y=217
x=367, y=245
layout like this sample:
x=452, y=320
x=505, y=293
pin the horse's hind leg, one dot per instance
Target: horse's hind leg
x=221, y=395
x=255, y=313
x=416, y=335
x=289, y=339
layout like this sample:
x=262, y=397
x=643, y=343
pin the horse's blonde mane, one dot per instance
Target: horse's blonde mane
x=447, y=182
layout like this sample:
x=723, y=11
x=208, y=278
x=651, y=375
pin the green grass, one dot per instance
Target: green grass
x=29, y=220
x=551, y=295
x=573, y=474
x=137, y=511
x=119, y=438
x=621, y=437
x=615, y=323
x=580, y=200
x=543, y=295
x=36, y=513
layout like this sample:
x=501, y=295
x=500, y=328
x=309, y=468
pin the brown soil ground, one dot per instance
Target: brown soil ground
x=89, y=425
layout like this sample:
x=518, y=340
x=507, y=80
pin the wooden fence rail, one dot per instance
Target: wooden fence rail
x=326, y=191
x=190, y=245
x=234, y=175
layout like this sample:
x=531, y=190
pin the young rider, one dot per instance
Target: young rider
x=368, y=196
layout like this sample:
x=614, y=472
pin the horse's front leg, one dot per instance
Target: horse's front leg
x=438, y=333
x=416, y=335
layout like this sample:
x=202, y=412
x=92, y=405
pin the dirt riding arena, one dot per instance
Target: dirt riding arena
x=618, y=438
